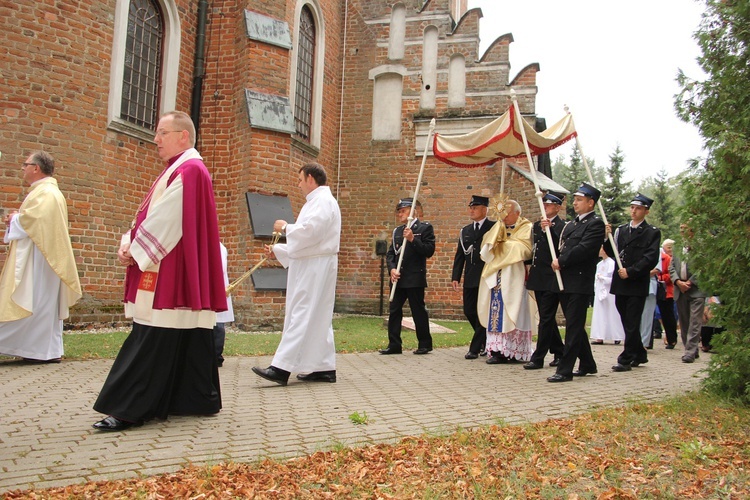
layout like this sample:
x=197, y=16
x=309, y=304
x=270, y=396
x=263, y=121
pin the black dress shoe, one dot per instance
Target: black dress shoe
x=422, y=350
x=532, y=366
x=639, y=362
x=327, y=376
x=483, y=352
x=560, y=378
x=273, y=374
x=583, y=373
x=471, y=355
x=554, y=362
x=621, y=368
x=669, y=346
x=390, y=350
x=115, y=424
x=496, y=360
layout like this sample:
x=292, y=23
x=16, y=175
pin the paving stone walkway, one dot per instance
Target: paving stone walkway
x=46, y=438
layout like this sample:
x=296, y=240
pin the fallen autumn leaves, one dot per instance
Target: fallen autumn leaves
x=693, y=446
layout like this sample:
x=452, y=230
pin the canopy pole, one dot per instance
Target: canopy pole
x=538, y=192
x=413, y=204
x=502, y=176
x=599, y=201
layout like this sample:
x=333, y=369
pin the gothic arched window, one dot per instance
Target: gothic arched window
x=141, y=82
x=305, y=74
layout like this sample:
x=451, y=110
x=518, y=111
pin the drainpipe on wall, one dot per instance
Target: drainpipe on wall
x=199, y=68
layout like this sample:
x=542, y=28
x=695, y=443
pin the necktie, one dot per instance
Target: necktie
x=476, y=226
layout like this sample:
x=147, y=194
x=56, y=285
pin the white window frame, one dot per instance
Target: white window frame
x=169, y=70
x=318, y=70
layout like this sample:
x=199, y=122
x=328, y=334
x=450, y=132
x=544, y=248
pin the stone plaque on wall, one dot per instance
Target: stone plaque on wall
x=267, y=29
x=269, y=112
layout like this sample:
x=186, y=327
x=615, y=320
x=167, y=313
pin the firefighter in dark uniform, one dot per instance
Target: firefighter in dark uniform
x=543, y=282
x=468, y=263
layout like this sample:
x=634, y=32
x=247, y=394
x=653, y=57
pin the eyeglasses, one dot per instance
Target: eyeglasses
x=26, y=164
x=162, y=133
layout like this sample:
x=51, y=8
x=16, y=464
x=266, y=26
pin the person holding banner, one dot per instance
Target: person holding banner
x=580, y=242
x=638, y=247
x=468, y=262
x=417, y=243
x=543, y=283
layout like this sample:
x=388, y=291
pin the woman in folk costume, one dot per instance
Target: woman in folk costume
x=504, y=303
x=605, y=320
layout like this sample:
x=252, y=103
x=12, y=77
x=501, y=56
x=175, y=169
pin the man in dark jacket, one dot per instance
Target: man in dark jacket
x=638, y=246
x=468, y=263
x=417, y=242
x=580, y=242
x=543, y=282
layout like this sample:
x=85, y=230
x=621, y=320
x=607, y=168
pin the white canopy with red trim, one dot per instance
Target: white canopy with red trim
x=501, y=138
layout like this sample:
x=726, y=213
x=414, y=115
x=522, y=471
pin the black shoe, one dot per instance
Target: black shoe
x=554, y=362
x=483, y=353
x=639, y=362
x=560, y=378
x=327, y=376
x=422, y=350
x=669, y=346
x=471, y=355
x=621, y=368
x=583, y=373
x=496, y=360
x=273, y=374
x=532, y=366
x=597, y=342
x=390, y=350
x=112, y=424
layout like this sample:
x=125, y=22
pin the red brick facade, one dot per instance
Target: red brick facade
x=56, y=82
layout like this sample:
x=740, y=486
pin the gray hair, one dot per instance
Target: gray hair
x=45, y=162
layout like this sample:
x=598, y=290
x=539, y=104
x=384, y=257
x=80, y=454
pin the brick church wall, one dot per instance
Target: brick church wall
x=57, y=75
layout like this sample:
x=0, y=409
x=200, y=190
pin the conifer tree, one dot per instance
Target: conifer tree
x=717, y=197
x=616, y=194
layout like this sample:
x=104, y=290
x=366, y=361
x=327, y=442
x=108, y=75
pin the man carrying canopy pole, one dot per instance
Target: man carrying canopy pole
x=537, y=192
x=415, y=198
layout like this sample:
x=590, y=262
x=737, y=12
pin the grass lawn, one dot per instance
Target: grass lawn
x=352, y=334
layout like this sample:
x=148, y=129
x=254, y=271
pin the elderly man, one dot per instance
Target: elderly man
x=503, y=305
x=638, y=246
x=580, y=242
x=40, y=280
x=543, y=282
x=468, y=262
x=689, y=297
x=174, y=286
x=311, y=254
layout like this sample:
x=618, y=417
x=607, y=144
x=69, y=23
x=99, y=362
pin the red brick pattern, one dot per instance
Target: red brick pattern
x=56, y=69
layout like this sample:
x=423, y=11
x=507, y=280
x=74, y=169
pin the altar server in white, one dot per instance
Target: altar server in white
x=311, y=255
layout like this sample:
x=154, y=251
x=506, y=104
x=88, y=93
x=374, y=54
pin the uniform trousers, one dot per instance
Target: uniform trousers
x=577, y=345
x=548, y=337
x=631, y=310
x=415, y=296
x=470, y=311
